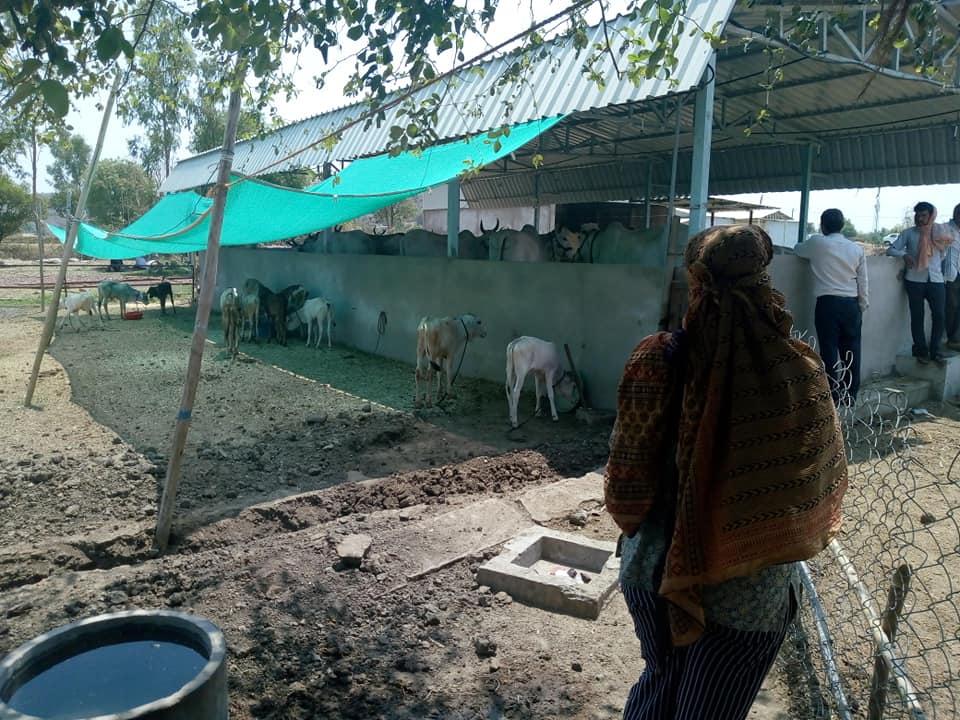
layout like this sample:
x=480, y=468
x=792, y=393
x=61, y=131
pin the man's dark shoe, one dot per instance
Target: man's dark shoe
x=939, y=359
x=923, y=360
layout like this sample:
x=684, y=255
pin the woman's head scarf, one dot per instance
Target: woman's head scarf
x=744, y=412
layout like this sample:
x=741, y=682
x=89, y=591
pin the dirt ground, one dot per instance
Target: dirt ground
x=291, y=450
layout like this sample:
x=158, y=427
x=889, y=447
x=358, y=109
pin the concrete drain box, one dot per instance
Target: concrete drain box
x=555, y=570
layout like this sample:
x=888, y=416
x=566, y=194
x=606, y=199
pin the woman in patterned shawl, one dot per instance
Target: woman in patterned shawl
x=726, y=466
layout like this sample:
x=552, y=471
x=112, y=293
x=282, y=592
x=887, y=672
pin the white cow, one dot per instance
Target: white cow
x=316, y=310
x=526, y=354
x=442, y=340
x=74, y=305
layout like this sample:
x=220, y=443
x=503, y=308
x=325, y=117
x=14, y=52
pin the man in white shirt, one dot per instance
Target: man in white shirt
x=840, y=284
x=951, y=278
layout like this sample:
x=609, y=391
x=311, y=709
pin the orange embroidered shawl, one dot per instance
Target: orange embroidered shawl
x=760, y=465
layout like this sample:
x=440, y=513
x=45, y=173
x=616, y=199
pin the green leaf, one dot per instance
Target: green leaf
x=55, y=95
x=108, y=44
x=24, y=90
x=355, y=32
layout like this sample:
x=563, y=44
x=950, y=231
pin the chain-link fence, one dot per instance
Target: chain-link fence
x=879, y=634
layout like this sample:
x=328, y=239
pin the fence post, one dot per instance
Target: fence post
x=899, y=587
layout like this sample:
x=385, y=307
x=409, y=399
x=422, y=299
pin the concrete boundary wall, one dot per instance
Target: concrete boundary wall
x=600, y=310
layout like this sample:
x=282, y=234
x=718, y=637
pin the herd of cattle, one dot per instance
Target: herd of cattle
x=615, y=243
x=253, y=308
x=440, y=341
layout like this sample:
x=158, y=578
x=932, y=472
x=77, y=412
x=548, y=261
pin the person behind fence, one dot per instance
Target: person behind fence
x=951, y=278
x=923, y=248
x=726, y=467
x=839, y=269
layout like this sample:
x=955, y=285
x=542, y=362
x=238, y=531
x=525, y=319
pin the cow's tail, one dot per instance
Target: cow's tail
x=511, y=371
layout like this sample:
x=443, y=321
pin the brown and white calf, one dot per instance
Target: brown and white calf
x=529, y=354
x=442, y=340
x=74, y=305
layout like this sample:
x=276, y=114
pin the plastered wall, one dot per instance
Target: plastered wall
x=601, y=311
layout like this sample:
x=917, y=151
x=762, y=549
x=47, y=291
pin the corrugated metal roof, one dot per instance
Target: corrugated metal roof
x=553, y=85
x=618, y=142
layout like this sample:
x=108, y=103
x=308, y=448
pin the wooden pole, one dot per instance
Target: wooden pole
x=36, y=216
x=72, y=227
x=576, y=378
x=165, y=516
x=899, y=587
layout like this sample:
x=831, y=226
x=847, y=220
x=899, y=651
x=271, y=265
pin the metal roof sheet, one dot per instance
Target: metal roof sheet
x=867, y=129
x=552, y=85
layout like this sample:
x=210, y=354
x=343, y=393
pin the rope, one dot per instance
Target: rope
x=381, y=329
x=462, y=355
x=534, y=414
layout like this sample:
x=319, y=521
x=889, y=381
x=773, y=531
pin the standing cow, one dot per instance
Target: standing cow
x=121, y=292
x=529, y=354
x=441, y=340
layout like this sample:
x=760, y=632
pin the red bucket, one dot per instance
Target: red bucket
x=133, y=315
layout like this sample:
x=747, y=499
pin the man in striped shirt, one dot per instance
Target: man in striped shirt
x=923, y=248
x=840, y=285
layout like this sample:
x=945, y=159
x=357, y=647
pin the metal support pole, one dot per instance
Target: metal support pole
x=453, y=218
x=702, y=139
x=647, y=206
x=805, y=172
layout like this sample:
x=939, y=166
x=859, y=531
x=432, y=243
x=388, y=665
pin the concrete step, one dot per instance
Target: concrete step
x=944, y=377
x=890, y=396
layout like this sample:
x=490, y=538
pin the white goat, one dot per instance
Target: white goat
x=230, y=319
x=526, y=354
x=74, y=304
x=316, y=310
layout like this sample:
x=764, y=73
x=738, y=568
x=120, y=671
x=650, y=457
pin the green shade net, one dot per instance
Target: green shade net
x=257, y=212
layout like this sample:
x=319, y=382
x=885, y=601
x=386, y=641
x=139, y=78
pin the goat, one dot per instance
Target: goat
x=250, y=315
x=276, y=307
x=529, y=354
x=74, y=304
x=161, y=291
x=296, y=296
x=122, y=292
x=439, y=340
x=230, y=319
x=315, y=310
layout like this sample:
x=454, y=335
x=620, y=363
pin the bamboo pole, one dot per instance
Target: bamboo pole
x=72, y=226
x=576, y=378
x=899, y=587
x=36, y=216
x=165, y=516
